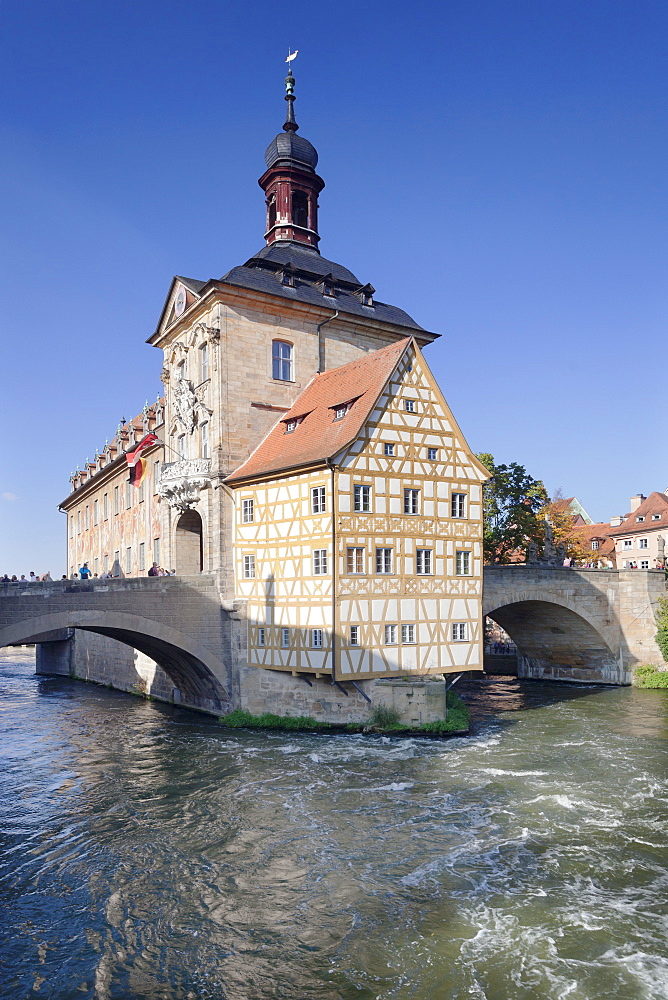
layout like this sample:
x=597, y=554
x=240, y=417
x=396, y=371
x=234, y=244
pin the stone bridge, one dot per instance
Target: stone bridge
x=586, y=625
x=178, y=640
x=180, y=624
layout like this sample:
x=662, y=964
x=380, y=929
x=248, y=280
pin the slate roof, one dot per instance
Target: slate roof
x=192, y=283
x=656, y=503
x=262, y=273
x=319, y=436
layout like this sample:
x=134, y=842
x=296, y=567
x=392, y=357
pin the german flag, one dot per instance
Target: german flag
x=136, y=463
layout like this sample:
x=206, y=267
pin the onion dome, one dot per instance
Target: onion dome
x=293, y=147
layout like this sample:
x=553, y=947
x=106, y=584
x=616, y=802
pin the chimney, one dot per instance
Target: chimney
x=636, y=501
x=616, y=521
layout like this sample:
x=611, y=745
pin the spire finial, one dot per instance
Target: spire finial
x=290, y=124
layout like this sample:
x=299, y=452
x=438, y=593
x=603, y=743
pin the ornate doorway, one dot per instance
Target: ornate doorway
x=189, y=547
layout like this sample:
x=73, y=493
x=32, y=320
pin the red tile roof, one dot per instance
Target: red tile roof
x=586, y=533
x=318, y=436
x=656, y=503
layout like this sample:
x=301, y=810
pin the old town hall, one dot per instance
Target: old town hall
x=305, y=457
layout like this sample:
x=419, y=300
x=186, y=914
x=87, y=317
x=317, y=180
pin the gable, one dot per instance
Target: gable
x=426, y=422
x=183, y=293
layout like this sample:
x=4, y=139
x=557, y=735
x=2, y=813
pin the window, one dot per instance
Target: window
x=128, y=559
x=117, y=563
x=383, y=560
x=354, y=635
x=96, y=512
x=627, y=543
x=642, y=543
x=95, y=566
x=87, y=518
x=141, y=494
x=463, y=563
x=318, y=505
x=388, y=449
x=117, y=503
x=156, y=476
x=458, y=505
x=408, y=633
x=641, y=518
x=300, y=209
x=423, y=562
x=78, y=522
x=390, y=635
x=595, y=544
x=128, y=495
x=432, y=454
x=341, y=410
x=411, y=501
x=72, y=526
x=204, y=362
x=181, y=446
x=204, y=439
x=409, y=405
x=656, y=517
x=281, y=360
x=156, y=550
x=247, y=511
x=105, y=506
x=249, y=567
x=290, y=425
x=316, y=638
x=362, y=499
x=319, y=562
x=271, y=212
x=142, y=557
x=260, y=637
x=460, y=631
x=644, y=563
x=285, y=637
x=355, y=560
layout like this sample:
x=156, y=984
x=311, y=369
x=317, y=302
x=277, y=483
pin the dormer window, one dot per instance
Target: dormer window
x=287, y=276
x=327, y=286
x=365, y=294
x=594, y=544
x=656, y=517
x=292, y=423
x=641, y=518
x=341, y=409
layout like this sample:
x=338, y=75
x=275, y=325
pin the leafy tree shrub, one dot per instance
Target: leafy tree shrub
x=661, y=619
x=238, y=719
x=648, y=676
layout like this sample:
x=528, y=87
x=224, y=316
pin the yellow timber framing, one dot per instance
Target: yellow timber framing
x=404, y=619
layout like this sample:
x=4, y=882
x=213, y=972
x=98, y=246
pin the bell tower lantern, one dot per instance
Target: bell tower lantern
x=290, y=182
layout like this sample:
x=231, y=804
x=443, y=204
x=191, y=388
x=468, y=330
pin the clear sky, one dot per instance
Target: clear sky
x=497, y=169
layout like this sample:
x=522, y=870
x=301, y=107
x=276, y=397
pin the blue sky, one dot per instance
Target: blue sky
x=495, y=168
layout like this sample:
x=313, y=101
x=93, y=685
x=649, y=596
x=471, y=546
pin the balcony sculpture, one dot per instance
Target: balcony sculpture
x=180, y=482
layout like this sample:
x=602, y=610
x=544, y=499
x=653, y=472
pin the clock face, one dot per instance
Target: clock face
x=180, y=301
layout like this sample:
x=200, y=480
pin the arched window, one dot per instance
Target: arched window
x=281, y=360
x=300, y=209
x=271, y=212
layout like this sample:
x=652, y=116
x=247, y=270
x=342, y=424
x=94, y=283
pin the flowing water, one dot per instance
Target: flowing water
x=148, y=852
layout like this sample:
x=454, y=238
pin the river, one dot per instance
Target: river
x=147, y=852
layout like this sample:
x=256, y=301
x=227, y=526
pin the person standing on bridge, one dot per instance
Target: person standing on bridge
x=154, y=570
x=84, y=572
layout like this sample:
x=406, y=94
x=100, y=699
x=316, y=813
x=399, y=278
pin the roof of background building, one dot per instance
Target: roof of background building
x=318, y=436
x=655, y=503
x=587, y=533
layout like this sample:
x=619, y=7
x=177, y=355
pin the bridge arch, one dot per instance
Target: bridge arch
x=193, y=668
x=556, y=636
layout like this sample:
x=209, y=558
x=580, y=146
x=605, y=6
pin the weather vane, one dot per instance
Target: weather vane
x=291, y=56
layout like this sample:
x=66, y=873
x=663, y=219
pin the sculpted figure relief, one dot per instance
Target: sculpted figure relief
x=185, y=402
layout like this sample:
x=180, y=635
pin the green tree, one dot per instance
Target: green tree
x=512, y=505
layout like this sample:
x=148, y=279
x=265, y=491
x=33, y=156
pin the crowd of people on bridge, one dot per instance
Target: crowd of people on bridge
x=32, y=578
x=83, y=573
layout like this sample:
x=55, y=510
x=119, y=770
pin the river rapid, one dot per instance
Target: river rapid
x=146, y=852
